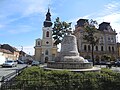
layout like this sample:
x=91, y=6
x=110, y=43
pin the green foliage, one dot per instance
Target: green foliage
x=90, y=31
x=64, y=80
x=89, y=35
x=59, y=30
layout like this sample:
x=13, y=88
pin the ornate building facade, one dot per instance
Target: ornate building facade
x=45, y=50
x=107, y=45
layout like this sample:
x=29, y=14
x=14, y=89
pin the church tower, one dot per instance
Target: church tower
x=45, y=50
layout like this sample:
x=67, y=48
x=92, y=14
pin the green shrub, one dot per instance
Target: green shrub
x=62, y=80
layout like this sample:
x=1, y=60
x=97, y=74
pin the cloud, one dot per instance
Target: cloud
x=19, y=31
x=110, y=7
x=110, y=13
x=13, y=11
x=38, y=6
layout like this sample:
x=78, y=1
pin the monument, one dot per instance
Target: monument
x=69, y=57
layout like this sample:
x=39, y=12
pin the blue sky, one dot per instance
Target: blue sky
x=21, y=21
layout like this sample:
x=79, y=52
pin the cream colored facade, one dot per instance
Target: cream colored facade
x=118, y=50
x=107, y=45
x=45, y=50
x=9, y=55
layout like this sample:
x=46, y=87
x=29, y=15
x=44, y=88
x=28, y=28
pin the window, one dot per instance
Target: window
x=102, y=48
x=89, y=48
x=47, y=34
x=108, y=39
x=109, y=49
x=96, y=48
x=112, y=49
x=101, y=39
x=85, y=47
x=46, y=52
x=47, y=42
x=112, y=40
x=38, y=43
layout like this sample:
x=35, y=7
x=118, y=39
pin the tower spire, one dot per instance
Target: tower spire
x=47, y=22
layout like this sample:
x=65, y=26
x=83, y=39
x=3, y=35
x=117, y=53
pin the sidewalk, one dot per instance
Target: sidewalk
x=116, y=69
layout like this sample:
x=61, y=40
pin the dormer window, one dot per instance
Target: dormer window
x=38, y=43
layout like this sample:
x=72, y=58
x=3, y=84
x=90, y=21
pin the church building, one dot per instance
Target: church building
x=45, y=50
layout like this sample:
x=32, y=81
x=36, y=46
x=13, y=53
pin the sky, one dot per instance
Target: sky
x=21, y=21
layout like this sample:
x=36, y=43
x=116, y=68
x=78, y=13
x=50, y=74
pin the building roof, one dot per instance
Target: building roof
x=47, y=22
x=105, y=26
x=8, y=47
x=5, y=51
x=82, y=22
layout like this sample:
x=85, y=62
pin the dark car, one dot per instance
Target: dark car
x=101, y=63
x=117, y=63
x=20, y=62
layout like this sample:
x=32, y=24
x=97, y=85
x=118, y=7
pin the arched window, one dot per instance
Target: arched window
x=102, y=48
x=109, y=49
x=112, y=49
x=46, y=59
x=89, y=48
x=85, y=48
x=47, y=34
x=46, y=52
x=38, y=43
x=96, y=48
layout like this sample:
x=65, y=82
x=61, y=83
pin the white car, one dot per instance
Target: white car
x=10, y=63
x=35, y=63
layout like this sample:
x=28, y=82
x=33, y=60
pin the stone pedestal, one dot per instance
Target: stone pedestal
x=69, y=65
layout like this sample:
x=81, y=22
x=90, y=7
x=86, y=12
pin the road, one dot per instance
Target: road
x=7, y=70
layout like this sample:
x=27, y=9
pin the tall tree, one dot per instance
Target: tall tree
x=90, y=37
x=59, y=30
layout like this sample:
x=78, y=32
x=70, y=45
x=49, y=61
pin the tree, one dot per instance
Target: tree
x=90, y=37
x=59, y=30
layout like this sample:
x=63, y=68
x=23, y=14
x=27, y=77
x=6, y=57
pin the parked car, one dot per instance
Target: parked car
x=101, y=63
x=20, y=62
x=117, y=63
x=35, y=63
x=10, y=63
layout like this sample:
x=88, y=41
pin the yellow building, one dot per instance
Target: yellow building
x=118, y=50
x=107, y=45
x=45, y=50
